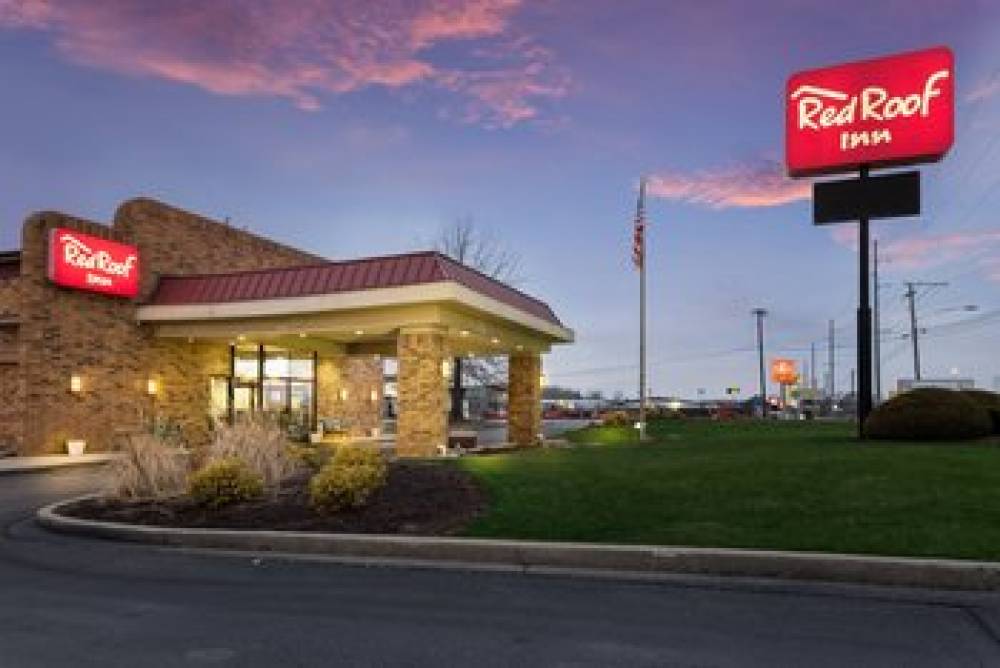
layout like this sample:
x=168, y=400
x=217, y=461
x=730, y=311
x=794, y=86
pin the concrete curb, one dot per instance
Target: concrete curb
x=49, y=462
x=627, y=561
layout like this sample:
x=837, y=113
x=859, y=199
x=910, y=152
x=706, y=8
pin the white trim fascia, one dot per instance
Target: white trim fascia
x=441, y=291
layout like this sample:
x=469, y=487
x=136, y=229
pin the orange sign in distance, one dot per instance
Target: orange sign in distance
x=783, y=371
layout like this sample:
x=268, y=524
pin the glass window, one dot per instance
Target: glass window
x=286, y=389
x=246, y=364
x=275, y=395
x=275, y=363
x=301, y=367
x=219, y=397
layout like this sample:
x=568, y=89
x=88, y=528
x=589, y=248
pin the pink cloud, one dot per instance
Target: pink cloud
x=984, y=89
x=752, y=185
x=475, y=18
x=845, y=235
x=922, y=252
x=306, y=49
x=991, y=267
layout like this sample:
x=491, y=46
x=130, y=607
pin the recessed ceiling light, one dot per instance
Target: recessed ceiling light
x=464, y=332
x=359, y=332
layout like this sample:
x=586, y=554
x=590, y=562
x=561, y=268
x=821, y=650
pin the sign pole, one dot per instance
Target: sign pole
x=864, y=399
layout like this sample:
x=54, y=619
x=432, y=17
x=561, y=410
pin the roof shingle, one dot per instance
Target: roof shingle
x=345, y=276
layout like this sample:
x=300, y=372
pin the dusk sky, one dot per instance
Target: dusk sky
x=359, y=127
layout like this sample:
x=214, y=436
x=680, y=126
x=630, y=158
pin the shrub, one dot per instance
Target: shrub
x=224, y=482
x=149, y=468
x=259, y=443
x=617, y=419
x=988, y=400
x=348, y=480
x=929, y=414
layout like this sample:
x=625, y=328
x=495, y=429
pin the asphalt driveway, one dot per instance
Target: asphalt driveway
x=72, y=601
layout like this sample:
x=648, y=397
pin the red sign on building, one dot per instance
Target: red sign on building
x=86, y=262
x=888, y=111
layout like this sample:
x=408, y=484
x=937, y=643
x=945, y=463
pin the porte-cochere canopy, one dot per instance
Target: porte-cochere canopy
x=422, y=308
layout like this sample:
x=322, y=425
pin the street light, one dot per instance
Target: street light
x=760, y=313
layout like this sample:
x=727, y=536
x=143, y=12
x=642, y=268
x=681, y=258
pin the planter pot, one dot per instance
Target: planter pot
x=75, y=447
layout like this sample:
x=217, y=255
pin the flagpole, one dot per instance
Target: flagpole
x=642, y=313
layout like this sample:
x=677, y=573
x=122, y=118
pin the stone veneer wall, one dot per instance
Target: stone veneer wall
x=174, y=241
x=524, y=399
x=422, y=423
x=11, y=388
x=66, y=332
x=359, y=375
x=10, y=298
x=183, y=371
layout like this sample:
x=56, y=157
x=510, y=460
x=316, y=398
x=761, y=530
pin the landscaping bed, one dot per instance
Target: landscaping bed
x=418, y=498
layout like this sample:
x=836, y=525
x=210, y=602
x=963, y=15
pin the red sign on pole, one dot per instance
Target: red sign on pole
x=888, y=111
x=783, y=371
x=86, y=262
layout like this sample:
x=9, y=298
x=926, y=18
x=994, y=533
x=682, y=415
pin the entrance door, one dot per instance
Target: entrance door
x=244, y=399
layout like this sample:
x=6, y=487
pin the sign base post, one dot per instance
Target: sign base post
x=863, y=401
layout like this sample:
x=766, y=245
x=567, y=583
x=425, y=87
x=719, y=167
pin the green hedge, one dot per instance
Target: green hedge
x=929, y=414
x=988, y=400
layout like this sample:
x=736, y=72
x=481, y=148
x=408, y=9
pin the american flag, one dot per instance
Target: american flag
x=639, y=232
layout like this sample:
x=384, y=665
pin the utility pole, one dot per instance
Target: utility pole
x=911, y=296
x=831, y=364
x=812, y=366
x=760, y=313
x=877, y=342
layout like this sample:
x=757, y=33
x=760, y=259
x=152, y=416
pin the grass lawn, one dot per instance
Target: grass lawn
x=793, y=486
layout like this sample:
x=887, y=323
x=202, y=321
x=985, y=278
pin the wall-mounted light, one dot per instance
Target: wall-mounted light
x=374, y=395
x=302, y=335
x=343, y=394
x=542, y=380
x=359, y=332
x=445, y=368
x=495, y=341
x=152, y=387
x=464, y=332
x=75, y=384
x=520, y=347
x=241, y=338
x=75, y=447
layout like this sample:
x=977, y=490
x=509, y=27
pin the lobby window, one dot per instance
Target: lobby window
x=277, y=381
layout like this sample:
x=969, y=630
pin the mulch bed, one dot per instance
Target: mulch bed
x=418, y=498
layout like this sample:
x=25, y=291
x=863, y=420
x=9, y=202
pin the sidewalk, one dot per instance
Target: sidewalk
x=45, y=462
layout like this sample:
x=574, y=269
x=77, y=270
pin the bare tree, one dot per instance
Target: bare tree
x=465, y=243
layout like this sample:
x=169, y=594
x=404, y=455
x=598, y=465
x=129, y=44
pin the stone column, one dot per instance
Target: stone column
x=422, y=423
x=524, y=399
x=349, y=387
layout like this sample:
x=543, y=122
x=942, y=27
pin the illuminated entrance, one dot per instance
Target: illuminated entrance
x=313, y=339
x=270, y=380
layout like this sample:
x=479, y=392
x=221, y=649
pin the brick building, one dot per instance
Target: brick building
x=218, y=322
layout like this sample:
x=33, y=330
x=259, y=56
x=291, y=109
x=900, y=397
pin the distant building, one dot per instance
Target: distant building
x=907, y=384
